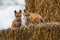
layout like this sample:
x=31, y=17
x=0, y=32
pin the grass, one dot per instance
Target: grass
x=33, y=32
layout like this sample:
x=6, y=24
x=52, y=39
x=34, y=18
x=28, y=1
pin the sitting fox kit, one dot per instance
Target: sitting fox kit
x=17, y=21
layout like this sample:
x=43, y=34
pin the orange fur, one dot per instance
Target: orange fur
x=15, y=22
x=35, y=17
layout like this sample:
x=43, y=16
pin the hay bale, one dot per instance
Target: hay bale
x=49, y=9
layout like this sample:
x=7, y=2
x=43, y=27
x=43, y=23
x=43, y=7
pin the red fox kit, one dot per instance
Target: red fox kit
x=17, y=21
x=34, y=17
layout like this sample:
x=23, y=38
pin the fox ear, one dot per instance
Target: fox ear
x=20, y=11
x=24, y=11
x=15, y=11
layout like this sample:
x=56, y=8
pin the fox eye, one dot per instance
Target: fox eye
x=16, y=16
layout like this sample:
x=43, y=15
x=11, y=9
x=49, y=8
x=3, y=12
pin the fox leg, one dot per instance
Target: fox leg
x=42, y=20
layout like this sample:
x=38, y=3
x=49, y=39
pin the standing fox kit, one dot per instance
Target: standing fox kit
x=33, y=17
x=17, y=21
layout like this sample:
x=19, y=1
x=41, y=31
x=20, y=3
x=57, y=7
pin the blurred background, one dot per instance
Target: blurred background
x=7, y=8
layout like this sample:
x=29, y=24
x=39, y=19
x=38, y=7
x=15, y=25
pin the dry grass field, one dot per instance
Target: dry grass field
x=33, y=32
